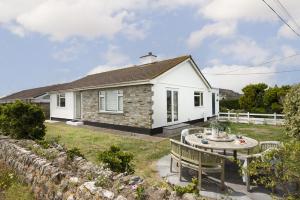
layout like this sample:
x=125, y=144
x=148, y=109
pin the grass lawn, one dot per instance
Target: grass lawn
x=146, y=150
x=91, y=141
x=10, y=187
x=260, y=132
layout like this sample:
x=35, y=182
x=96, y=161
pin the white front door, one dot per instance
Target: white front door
x=172, y=106
x=78, y=105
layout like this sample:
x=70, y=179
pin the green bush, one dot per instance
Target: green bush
x=117, y=160
x=278, y=167
x=190, y=188
x=74, y=152
x=22, y=121
x=140, y=193
x=7, y=177
x=291, y=109
x=231, y=104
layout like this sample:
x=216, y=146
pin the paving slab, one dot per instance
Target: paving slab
x=235, y=188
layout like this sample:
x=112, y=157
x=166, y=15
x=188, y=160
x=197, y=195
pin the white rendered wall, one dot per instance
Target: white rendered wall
x=186, y=81
x=65, y=112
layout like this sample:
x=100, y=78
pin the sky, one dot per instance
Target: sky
x=55, y=41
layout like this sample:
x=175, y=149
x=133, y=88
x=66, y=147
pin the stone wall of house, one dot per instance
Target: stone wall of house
x=62, y=179
x=137, y=107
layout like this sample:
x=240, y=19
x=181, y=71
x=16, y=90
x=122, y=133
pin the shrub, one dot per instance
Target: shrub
x=117, y=160
x=22, y=121
x=103, y=181
x=74, y=152
x=278, y=167
x=291, y=109
x=140, y=193
x=43, y=143
x=190, y=188
x=7, y=177
x=231, y=104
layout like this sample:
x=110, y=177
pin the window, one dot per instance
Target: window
x=198, y=99
x=111, y=101
x=61, y=100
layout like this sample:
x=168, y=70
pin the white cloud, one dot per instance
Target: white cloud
x=114, y=59
x=216, y=29
x=233, y=10
x=288, y=50
x=61, y=19
x=237, y=82
x=285, y=32
x=246, y=50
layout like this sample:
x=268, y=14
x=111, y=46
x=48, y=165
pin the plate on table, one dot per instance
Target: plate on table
x=220, y=139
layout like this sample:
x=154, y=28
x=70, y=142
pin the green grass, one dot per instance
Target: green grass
x=10, y=186
x=91, y=141
x=146, y=150
x=260, y=132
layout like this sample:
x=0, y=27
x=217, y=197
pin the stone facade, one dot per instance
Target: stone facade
x=137, y=107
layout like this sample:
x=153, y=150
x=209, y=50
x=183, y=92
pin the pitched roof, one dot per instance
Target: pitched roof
x=30, y=93
x=125, y=75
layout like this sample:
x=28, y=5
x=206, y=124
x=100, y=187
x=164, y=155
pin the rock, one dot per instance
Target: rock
x=134, y=180
x=108, y=194
x=71, y=197
x=57, y=177
x=90, y=186
x=74, y=180
x=120, y=197
x=189, y=196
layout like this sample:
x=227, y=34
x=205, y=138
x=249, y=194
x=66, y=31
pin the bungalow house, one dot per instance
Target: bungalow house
x=142, y=98
x=37, y=96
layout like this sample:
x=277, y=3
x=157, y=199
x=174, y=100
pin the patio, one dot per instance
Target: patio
x=235, y=188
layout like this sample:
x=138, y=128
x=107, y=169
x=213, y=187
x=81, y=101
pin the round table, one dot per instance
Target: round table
x=234, y=145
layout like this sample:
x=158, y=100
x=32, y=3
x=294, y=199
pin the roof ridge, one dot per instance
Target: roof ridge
x=141, y=65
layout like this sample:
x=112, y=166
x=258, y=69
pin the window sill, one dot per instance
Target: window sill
x=111, y=112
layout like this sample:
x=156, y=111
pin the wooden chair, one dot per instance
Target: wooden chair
x=197, y=159
x=263, y=147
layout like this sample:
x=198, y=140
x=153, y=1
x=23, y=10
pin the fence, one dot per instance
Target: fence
x=255, y=118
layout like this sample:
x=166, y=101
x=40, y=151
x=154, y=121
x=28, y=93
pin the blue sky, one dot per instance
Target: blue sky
x=54, y=41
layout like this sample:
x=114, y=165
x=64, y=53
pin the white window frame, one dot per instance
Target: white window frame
x=58, y=99
x=102, y=95
x=200, y=96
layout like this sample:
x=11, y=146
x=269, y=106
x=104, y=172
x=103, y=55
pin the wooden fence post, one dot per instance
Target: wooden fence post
x=275, y=118
x=228, y=115
x=237, y=117
x=248, y=114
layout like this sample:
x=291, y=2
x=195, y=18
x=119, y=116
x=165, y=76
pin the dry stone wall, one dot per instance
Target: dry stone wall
x=59, y=178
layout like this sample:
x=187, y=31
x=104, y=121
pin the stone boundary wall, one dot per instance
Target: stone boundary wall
x=53, y=180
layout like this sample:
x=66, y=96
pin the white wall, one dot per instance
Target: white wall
x=65, y=112
x=185, y=80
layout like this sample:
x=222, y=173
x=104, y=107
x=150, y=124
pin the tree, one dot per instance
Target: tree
x=291, y=109
x=273, y=98
x=252, y=100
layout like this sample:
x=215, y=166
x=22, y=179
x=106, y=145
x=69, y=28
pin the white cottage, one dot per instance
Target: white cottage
x=142, y=98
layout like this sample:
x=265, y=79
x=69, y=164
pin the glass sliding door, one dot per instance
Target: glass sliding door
x=175, y=105
x=169, y=106
x=172, y=106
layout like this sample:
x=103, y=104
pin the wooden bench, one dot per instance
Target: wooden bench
x=197, y=159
